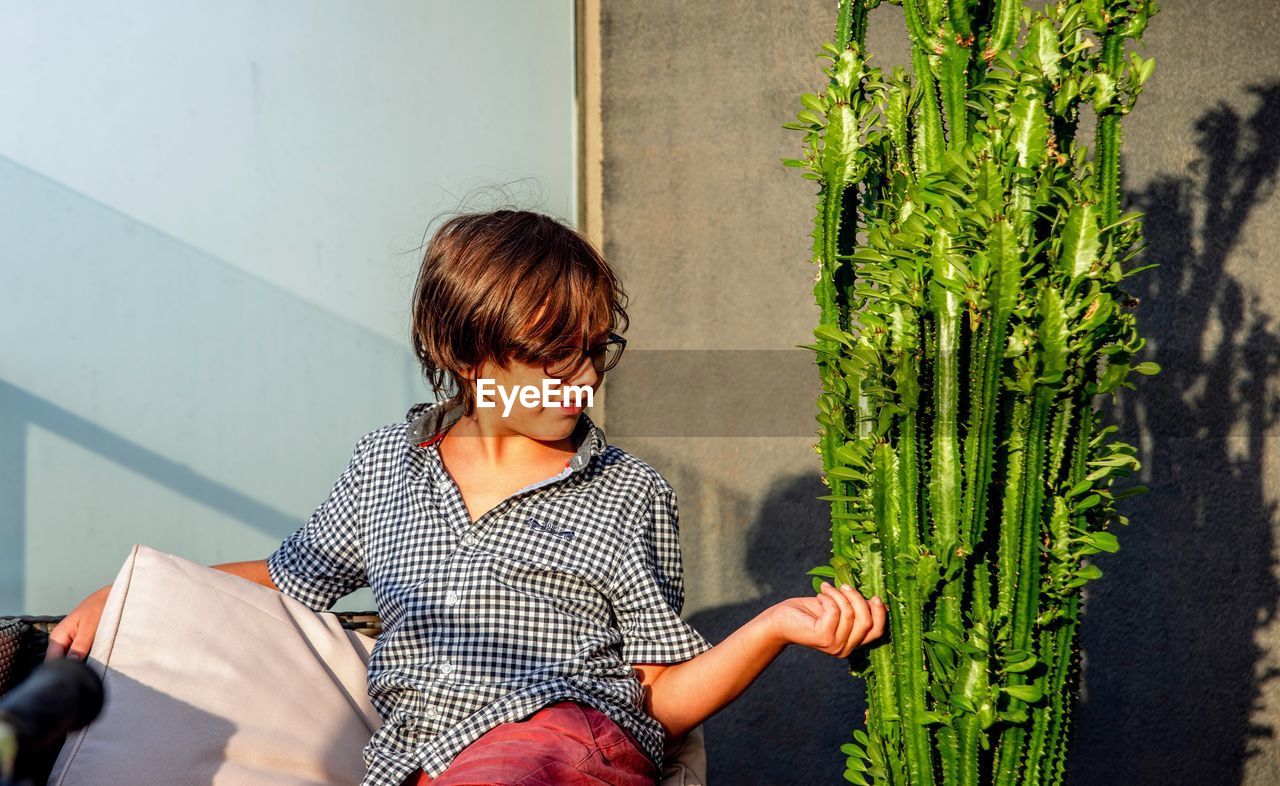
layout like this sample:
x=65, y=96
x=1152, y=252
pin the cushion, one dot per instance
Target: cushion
x=684, y=760
x=211, y=678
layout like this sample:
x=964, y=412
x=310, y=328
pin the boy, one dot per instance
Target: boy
x=527, y=573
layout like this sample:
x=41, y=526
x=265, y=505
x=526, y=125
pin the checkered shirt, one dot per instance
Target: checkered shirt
x=549, y=596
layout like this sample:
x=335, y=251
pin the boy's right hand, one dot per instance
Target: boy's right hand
x=73, y=636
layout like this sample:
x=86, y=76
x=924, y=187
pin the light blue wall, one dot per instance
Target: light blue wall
x=210, y=216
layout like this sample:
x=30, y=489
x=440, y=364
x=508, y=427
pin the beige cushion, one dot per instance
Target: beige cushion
x=684, y=761
x=210, y=678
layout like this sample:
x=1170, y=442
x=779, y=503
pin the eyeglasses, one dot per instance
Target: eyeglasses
x=603, y=356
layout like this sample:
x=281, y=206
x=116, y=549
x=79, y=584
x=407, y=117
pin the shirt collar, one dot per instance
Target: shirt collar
x=428, y=422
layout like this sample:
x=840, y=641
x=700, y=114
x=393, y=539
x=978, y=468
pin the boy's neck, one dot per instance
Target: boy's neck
x=478, y=439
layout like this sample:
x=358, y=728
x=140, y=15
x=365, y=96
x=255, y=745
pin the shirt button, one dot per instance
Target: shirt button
x=469, y=539
x=433, y=713
x=446, y=668
x=442, y=485
x=451, y=599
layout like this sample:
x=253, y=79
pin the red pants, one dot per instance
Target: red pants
x=562, y=743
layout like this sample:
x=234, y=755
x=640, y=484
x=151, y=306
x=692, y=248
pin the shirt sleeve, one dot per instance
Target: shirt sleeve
x=323, y=560
x=647, y=590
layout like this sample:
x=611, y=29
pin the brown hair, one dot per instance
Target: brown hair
x=507, y=285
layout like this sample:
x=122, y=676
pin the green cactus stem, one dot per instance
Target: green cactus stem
x=970, y=257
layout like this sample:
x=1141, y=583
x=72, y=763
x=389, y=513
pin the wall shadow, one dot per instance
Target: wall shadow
x=151, y=392
x=20, y=409
x=1171, y=632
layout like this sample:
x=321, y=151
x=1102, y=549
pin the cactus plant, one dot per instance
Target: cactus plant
x=970, y=257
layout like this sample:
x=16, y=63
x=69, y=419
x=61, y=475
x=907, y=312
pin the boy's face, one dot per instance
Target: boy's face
x=519, y=403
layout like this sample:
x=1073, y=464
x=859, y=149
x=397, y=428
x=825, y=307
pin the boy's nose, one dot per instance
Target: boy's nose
x=586, y=375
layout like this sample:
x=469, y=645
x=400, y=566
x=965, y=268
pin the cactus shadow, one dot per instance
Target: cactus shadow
x=1176, y=663
x=1176, y=638
x=789, y=725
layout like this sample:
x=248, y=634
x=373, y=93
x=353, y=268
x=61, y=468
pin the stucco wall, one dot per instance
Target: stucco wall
x=211, y=216
x=710, y=233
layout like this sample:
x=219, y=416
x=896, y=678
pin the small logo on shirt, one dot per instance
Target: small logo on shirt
x=566, y=534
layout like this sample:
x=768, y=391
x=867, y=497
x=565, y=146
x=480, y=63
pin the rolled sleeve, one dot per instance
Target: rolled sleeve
x=647, y=591
x=323, y=560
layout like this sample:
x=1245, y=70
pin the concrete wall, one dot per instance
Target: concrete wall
x=710, y=232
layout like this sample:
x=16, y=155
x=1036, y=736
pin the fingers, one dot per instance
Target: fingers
x=60, y=639
x=879, y=613
x=858, y=621
x=824, y=627
x=854, y=623
x=845, y=623
x=55, y=649
x=67, y=641
x=862, y=624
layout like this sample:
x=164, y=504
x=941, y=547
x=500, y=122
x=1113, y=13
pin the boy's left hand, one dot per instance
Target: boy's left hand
x=836, y=621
